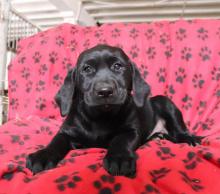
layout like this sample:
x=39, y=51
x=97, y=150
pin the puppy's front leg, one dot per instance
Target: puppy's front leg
x=48, y=157
x=121, y=157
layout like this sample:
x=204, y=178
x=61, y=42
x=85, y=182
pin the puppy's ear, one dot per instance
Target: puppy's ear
x=140, y=88
x=65, y=95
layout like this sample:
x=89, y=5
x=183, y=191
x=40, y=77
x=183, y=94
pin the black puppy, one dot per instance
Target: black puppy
x=106, y=103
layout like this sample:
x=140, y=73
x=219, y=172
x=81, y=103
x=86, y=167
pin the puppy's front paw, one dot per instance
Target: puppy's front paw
x=41, y=160
x=120, y=164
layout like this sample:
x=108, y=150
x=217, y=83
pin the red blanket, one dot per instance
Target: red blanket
x=179, y=59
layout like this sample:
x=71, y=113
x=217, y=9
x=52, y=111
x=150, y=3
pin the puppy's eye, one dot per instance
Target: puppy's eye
x=116, y=67
x=88, y=69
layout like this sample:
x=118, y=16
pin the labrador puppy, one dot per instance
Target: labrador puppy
x=107, y=104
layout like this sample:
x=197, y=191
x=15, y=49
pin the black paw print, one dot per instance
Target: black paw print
x=66, y=64
x=16, y=139
x=218, y=33
x=95, y=167
x=202, y=33
x=158, y=174
x=151, y=52
x=86, y=44
x=216, y=73
x=207, y=125
x=186, y=53
x=198, y=81
x=194, y=183
x=217, y=92
x=161, y=74
x=134, y=33
x=181, y=34
x=165, y=153
x=44, y=129
x=187, y=102
x=40, y=86
x=53, y=57
x=25, y=73
x=150, y=189
x=180, y=75
x=73, y=30
x=57, y=80
x=206, y=154
x=20, y=159
x=44, y=40
x=170, y=91
x=164, y=38
x=59, y=40
x=150, y=34
x=98, y=33
x=205, y=53
x=116, y=33
x=67, y=181
x=144, y=70
x=72, y=45
x=108, y=180
x=168, y=52
x=201, y=107
x=134, y=51
x=43, y=69
x=2, y=150
x=22, y=59
x=41, y=103
x=37, y=57
x=13, y=85
x=87, y=30
x=29, y=86
x=14, y=103
x=191, y=160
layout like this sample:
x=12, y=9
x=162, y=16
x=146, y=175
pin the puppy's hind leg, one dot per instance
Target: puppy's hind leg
x=174, y=123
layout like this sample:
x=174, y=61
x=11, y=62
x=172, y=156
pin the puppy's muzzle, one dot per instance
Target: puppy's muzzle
x=104, y=90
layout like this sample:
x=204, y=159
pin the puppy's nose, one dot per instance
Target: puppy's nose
x=105, y=92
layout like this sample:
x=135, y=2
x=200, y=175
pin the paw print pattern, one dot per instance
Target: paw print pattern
x=67, y=181
x=44, y=40
x=144, y=70
x=215, y=73
x=37, y=57
x=16, y=139
x=20, y=159
x=41, y=103
x=150, y=189
x=191, y=161
x=205, y=53
x=207, y=125
x=158, y=174
x=164, y=38
x=14, y=103
x=150, y=34
x=162, y=74
x=66, y=160
x=186, y=53
x=29, y=86
x=170, y=91
x=87, y=30
x=25, y=73
x=218, y=33
x=98, y=33
x=53, y=57
x=66, y=64
x=2, y=150
x=59, y=41
x=180, y=75
x=86, y=44
x=198, y=81
x=134, y=33
x=206, y=154
x=134, y=51
x=73, y=30
x=168, y=52
x=107, y=184
x=72, y=45
x=201, y=107
x=165, y=153
x=217, y=92
x=187, y=102
x=22, y=59
x=40, y=86
x=43, y=69
x=151, y=52
x=57, y=80
x=13, y=85
x=181, y=34
x=202, y=33
x=116, y=33
x=194, y=183
x=44, y=129
x=94, y=167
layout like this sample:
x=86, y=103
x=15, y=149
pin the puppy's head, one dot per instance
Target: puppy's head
x=103, y=77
